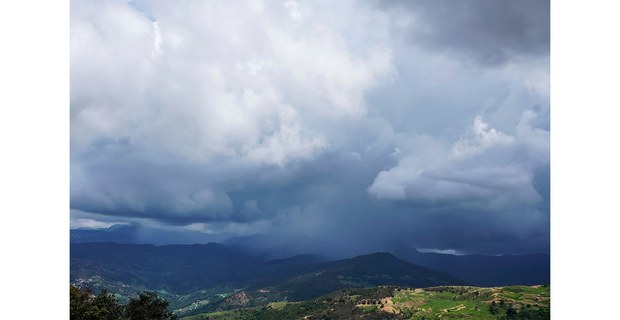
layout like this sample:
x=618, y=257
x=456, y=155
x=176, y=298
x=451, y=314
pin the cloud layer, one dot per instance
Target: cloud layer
x=321, y=120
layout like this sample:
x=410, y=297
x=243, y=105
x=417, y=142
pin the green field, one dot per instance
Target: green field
x=516, y=302
x=447, y=302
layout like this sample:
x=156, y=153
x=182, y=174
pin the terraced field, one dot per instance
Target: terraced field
x=472, y=302
x=385, y=302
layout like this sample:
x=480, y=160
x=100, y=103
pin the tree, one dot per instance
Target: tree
x=78, y=303
x=106, y=307
x=85, y=306
x=148, y=306
x=493, y=308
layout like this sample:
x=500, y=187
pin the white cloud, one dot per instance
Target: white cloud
x=90, y=224
x=442, y=251
x=219, y=79
x=483, y=138
x=485, y=165
x=293, y=9
x=157, y=41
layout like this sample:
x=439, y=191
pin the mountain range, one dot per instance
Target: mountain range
x=476, y=269
x=207, y=277
x=210, y=277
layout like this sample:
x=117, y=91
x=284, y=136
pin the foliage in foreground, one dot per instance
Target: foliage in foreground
x=86, y=306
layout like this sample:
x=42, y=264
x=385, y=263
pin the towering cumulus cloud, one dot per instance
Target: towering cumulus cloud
x=311, y=120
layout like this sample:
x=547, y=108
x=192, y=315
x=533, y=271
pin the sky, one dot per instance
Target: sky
x=346, y=126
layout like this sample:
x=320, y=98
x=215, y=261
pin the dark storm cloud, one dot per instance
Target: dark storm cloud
x=128, y=182
x=313, y=126
x=119, y=179
x=489, y=32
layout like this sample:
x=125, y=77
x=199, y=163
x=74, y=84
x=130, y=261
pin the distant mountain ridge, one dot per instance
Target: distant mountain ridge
x=363, y=271
x=482, y=270
x=177, y=268
x=116, y=233
x=476, y=269
x=186, y=268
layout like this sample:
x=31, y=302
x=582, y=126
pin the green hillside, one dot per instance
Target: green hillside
x=387, y=302
x=360, y=272
x=211, y=278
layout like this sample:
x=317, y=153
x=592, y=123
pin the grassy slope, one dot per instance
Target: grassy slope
x=514, y=302
x=473, y=302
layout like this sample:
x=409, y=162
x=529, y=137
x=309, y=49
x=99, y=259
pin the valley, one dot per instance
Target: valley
x=215, y=281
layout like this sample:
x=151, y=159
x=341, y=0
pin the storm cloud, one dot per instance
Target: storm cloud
x=487, y=32
x=361, y=123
